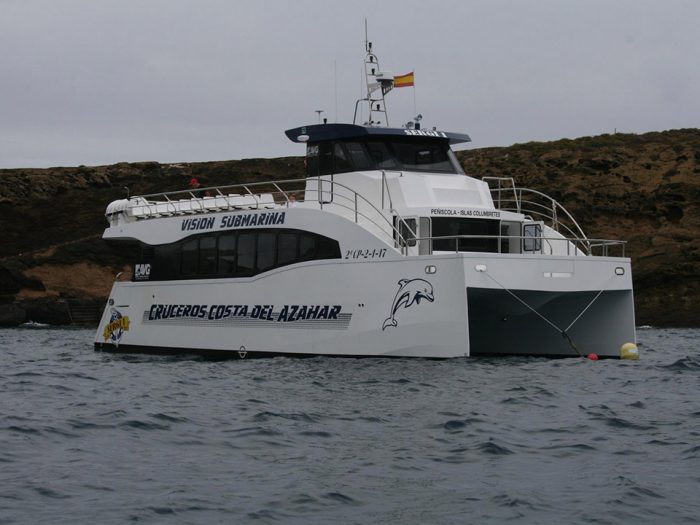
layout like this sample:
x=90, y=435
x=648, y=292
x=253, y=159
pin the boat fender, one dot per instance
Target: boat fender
x=629, y=351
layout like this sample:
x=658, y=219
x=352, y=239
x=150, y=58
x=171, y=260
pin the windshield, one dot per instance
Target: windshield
x=399, y=154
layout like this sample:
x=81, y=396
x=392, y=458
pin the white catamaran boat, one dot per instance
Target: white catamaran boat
x=385, y=248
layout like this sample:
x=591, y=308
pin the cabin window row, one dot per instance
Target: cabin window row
x=451, y=234
x=328, y=158
x=241, y=253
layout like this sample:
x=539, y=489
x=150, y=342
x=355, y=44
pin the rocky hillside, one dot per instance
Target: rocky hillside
x=643, y=188
x=54, y=266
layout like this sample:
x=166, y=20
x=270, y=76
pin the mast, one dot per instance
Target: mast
x=379, y=83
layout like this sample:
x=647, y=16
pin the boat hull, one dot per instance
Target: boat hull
x=433, y=306
x=500, y=324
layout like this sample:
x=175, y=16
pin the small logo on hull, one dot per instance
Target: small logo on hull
x=142, y=272
x=410, y=292
x=118, y=324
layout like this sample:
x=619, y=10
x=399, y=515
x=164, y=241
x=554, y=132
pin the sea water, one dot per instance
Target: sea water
x=102, y=438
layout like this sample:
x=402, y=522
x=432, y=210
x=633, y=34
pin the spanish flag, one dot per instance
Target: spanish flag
x=404, y=80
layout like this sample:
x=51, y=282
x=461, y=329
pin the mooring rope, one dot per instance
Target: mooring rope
x=563, y=333
x=584, y=310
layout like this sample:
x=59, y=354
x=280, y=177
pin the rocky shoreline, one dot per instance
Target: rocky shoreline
x=56, y=269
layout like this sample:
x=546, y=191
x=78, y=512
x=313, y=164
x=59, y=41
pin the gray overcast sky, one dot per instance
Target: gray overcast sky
x=98, y=81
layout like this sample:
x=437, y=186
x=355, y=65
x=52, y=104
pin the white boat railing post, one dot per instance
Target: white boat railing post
x=284, y=193
x=383, y=182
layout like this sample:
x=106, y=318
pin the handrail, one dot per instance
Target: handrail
x=338, y=198
x=548, y=211
x=198, y=196
x=605, y=244
x=351, y=200
x=385, y=185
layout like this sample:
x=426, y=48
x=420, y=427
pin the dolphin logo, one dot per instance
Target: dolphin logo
x=410, y=292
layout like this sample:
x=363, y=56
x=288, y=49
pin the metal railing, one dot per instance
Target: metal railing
x=539, y=206
x=604, y=245
x=284, y=193
x=269, y=195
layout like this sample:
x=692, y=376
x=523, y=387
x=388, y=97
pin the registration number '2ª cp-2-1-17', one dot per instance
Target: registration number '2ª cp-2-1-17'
x=376, y=253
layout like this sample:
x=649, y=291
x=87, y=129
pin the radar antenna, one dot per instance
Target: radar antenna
x=379, y=83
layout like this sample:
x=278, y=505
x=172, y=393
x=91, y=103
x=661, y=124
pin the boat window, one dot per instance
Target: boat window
x=510, y=237
x=189, y=257
x=325, y=248
x=455, y=163
x=325, y=158
x=246, y=253
x=242, y=253
x=394, y=153
x=207, y=255
x=227, y=254
x=532, y=234
x=383, y=158
x=311, y=160
x=416, y=156
x=165, y=262
x=307, y=246
x=266, y=250
x=358, y=156
x=328, y=158
x=407, y=229
x=287, y=247
x=485, y=231
x=341, y=164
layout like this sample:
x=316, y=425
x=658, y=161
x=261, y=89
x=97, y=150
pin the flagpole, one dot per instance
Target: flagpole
x=415, y=112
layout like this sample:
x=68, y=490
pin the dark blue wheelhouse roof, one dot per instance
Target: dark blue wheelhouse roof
x=323, y=132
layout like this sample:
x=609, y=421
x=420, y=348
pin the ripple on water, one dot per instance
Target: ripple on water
x=83, y=424
x=683, y=364
x=60, y=432
x=47, y=492
x=492, y=448
x=510, y=501
x=254, y=431
x=26, y=374
x=315, y=433
x=169, y=418
x=143, y=425
x=23, y=429
x=339, y=497
x=618, y=422
x=299, y=416
x=521, y=400
x=454, y=425
x=692, y=452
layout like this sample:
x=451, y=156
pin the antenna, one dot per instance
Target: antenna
x=335, y=86
x=319, y=111
x=367, y=46
x=378, y=83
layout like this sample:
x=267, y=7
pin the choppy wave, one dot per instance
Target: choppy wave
x=87, y=436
